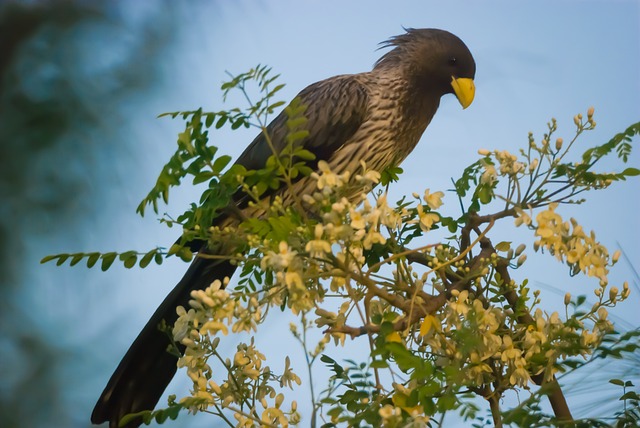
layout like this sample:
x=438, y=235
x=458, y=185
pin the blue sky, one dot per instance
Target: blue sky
x=535, y=60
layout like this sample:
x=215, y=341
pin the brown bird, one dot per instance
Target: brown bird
x=376, y=117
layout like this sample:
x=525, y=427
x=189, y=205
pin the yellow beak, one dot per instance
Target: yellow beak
x=464, y=89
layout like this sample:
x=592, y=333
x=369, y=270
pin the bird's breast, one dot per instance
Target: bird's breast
x=386, y=137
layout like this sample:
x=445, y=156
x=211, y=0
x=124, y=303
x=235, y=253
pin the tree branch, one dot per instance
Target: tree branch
x=554, y=391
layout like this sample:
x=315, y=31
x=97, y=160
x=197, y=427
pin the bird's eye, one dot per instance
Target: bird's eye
x=453, y=61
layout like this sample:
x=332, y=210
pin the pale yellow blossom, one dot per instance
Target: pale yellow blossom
x=434, y=200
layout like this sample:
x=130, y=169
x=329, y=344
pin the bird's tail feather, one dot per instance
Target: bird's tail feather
x=147, y=368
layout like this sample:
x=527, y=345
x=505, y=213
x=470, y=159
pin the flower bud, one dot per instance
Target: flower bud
x=520, y=249
x=602, y=313
x=613, y=293
x=484, y=152
x=279, y=400
x=616, y=256
x=590, y=112
x=215, y=387
x=558, y=143
x=625, y=290
x=521, y=259
x=567, y=299
x=576, y=120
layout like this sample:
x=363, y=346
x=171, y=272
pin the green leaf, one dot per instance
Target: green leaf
x=92, y=259
x=130, y=261
x=209, y=119
x=144, y=415
x=237, y=123
x=220, y=123
x=379, y=364
x=305, y=155
x=485, y=194
x=146, y=259
x=172, y=114
x=276, y=89
x=503, y=246
x=107, y=260
x=76, y=259
x=297, y=122
x=158, y=258
x=47, y=259
x=185, y=254
x=333, y=365
x=631, y=395
x=62, y=258
x=220, y=163
x=202, y=177
x=390, y=175
x=296, y=136
x=275, y=106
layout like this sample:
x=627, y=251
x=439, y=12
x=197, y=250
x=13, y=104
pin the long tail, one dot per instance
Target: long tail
x=147, y=368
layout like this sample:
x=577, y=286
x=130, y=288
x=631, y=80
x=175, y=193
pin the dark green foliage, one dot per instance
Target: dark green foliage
x=128, y=258
x=159, y=416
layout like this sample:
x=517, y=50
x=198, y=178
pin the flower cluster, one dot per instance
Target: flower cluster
x=427, y=218
x=569, y=243
x=247, y=381
x=469, y=336
x=508, y=164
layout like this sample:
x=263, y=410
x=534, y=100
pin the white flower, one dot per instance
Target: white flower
x=434, y=200
x=427, y=219
x=317, y=248
x=280, y=260
x=489, y=176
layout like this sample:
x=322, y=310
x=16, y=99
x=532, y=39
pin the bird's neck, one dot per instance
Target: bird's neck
x=415, y=105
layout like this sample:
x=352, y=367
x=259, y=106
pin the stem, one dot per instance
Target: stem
x=550, y=170
x=222, y=415
x=558, y=401
x=310, y=372
x=494, y=404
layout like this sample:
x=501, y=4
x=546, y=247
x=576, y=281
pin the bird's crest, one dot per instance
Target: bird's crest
x=405, y=43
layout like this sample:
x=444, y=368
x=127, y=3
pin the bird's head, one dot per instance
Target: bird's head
x=435, y=60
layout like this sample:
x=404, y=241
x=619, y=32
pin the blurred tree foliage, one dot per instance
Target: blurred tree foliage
x=67, y=69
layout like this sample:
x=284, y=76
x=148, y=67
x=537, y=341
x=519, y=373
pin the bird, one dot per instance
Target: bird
x=376, y=117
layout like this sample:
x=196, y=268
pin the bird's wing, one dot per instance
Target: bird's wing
x=336, y=108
